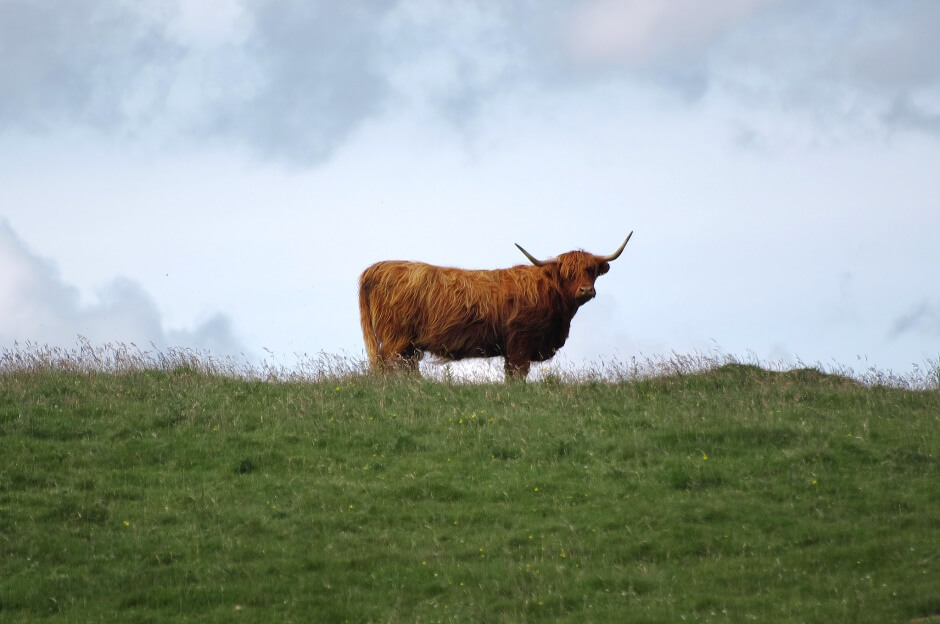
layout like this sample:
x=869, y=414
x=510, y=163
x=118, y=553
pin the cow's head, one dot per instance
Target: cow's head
x=577, y=270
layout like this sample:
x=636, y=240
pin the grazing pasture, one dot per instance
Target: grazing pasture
x=731, y=494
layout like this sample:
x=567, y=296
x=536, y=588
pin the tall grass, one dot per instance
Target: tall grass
x=112, y=358
x=119, y=358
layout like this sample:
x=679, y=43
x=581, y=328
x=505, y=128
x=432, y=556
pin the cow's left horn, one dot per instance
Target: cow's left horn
x=617, y=253
x=532, y=258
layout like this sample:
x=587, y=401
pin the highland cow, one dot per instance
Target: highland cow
x=522, y=313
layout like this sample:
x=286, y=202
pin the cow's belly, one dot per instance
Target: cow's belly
x=471, y=344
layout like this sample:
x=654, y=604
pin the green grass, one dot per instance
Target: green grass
x=733, y=495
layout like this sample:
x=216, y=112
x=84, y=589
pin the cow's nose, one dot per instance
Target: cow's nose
x=587, y=291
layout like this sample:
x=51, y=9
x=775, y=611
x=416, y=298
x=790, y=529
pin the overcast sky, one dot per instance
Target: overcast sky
x=217, y=174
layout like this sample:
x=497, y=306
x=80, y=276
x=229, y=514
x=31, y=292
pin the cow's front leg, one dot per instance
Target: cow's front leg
x=517, y=369
x=517, y=356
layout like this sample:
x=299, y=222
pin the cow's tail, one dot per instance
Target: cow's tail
x=365, y=317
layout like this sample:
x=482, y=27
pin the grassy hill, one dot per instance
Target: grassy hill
x=733, y=495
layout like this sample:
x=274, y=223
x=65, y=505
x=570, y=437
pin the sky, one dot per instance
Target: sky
x=215, y=175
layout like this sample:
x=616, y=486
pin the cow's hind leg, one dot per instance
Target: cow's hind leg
x=409, y=358
x=400, y=356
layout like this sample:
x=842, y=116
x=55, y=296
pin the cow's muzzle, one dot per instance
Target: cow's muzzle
x=586, y=293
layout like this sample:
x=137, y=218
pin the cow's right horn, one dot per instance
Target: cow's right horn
x=532, y=258
x=617, y=253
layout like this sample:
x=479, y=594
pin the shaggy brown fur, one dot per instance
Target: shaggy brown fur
x=522, y=313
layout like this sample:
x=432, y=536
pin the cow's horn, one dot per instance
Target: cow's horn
x=617, y=253
x=532, y=259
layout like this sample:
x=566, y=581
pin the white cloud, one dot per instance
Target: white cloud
x=638, y=33
x=74, y=62
x=294, y=81
x=923, y=319
x=210, y=23
x=37, y=306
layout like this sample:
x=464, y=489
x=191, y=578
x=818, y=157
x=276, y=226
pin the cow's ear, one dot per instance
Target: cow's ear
x=603, y=268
